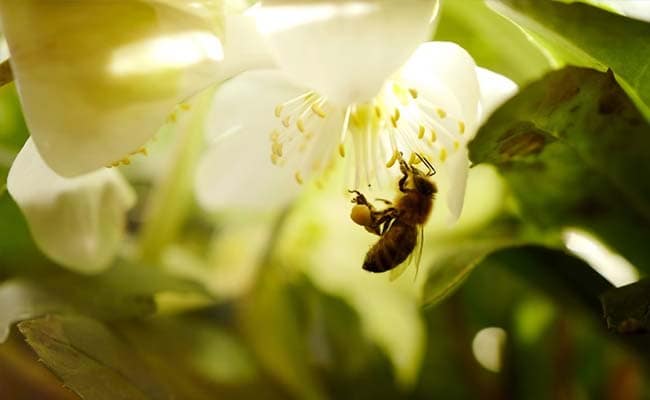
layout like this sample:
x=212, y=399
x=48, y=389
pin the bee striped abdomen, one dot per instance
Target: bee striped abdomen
x=392, y=248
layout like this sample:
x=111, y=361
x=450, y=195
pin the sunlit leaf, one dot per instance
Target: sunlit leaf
x=573, y=148
x=587, y=36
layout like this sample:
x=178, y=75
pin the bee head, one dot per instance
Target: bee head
x=423, y=185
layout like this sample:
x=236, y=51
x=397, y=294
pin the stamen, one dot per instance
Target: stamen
x=414, y=93
x=300, y=124
x=378, y=112
x=278, y=110
x=393, y=159
x=443, y=154
x=421, y=131
x=344, y=130
x=286, y=121
x=461, y=127
x=456, y=145
x=414, y=159
x=298, y=177
x=318, y=110
x=441, y=113
x=434, y=136
x=341, y=149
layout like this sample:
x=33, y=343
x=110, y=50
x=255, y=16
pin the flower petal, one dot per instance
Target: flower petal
x=446, y=62
x=456, y=169
x=237, y=168
x=495, y=90
x=78, y=222
x=344, y=50
x=97, y=79
x=638, y=9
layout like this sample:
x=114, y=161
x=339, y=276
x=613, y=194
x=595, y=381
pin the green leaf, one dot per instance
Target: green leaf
x=627, y=309
x=122, y=292
x=482, y=33
x=451, y=270
x=89, y=359
x=573, y=148
x=587, y=36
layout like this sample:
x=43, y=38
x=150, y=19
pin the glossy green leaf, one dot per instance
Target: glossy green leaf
x=573, y=149
x=90, y=359
x=482, y=33
x=587, y=36
x=627, y=309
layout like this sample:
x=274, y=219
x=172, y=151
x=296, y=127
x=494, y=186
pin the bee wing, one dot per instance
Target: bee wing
x=416, y=256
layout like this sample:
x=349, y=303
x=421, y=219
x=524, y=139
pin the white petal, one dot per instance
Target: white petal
x=97, y=79
x=638, y=9
x=237, y=170
x=449, y=63
x=495, y=90
x=78, y=222
x=344, y=50
x=456, y=169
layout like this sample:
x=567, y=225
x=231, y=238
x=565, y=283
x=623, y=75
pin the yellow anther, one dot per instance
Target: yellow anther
x=275, y=135
x=171, y=118
x=414, y=93
x=300, y=124
x=276, y=148
x=456, y=144
x=396, y=115
x=378, y=111
x=185, y=106
x=141, y=150
x=434, y=136
x=298, y=177
x=393, y=122
x=392, y=160
x=317, y=110
x=275, y=159
x=278, y=110
x=341, y=149
x=441, y=113
x=286, y=121
x=443, y=154
x=421, y=132
x=461, y=127
x=414, y=159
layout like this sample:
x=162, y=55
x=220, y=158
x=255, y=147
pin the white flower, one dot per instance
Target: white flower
x=96, y=81
x=638, y=9
x=77, y=222
x=98, y=78
x=350, y=86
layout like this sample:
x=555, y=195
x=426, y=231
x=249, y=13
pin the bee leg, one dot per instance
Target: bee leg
x=360, y=198
x=383, y=219
x=388, y=202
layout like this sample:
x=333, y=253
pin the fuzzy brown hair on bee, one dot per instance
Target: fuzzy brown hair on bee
x=399, y=224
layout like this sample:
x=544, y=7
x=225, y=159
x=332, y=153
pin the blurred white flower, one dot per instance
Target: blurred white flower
x=432, y=106
x=77, y=222
x=97, y=79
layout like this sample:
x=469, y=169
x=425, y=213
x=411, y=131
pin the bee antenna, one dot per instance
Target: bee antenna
x=431, y=170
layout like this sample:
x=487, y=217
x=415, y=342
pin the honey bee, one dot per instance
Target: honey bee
x=400, y=224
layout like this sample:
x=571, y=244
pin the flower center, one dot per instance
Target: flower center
x=398, y=121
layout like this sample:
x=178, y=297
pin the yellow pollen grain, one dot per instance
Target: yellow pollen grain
x=298, y=177
x=443, y=154
x=414, y=93
x=317, y=110
x=392, y=160
x=378, y=111
x=341, y=149
x=434, y=136
x=461, y=127
x=441, y=113
x=286, y=121
x=421, y=132
x=300, y=124
x=278, y=110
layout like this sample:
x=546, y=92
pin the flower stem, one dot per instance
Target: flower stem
x=172, y=198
